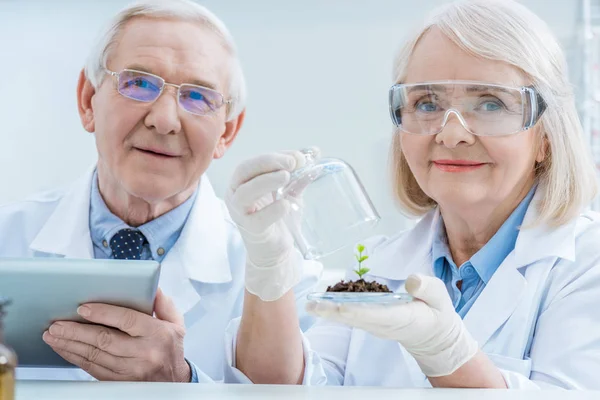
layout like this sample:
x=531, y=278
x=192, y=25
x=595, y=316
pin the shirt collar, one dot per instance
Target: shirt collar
x=487, y=260
x=103, y=223
x=164, y=231
x=161, y=232
x=439, y=248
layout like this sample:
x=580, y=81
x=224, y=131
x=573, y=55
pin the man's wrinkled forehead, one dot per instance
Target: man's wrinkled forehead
x=179, y=51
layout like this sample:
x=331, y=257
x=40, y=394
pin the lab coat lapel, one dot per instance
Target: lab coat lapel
x=410, y=252
x=198, y=264
x=199, y=255
x=497, y=301
x=67, y=232
x=406, y=254
x=538, y=244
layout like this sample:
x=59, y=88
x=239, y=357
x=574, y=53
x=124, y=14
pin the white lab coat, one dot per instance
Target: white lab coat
x=538, y=319
x=203, y=272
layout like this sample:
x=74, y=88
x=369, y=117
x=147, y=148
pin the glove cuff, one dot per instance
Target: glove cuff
x=271, y=283
x=461, y=348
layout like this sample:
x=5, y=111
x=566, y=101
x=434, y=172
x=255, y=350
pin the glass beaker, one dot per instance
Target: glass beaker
x=330, y=208
x=8, y=362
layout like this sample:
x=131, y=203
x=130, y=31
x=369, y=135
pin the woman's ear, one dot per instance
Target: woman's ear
x=543, y=147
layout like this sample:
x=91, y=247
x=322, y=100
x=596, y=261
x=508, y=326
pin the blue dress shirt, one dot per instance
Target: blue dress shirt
x=161, y=233
x=476, y=272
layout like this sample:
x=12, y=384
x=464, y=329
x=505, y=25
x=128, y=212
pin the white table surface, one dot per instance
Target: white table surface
x=50, y=390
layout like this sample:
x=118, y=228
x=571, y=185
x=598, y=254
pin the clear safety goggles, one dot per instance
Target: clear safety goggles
x=483, y=109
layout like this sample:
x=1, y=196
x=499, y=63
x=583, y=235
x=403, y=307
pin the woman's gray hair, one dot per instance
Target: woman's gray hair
x=504, y=30
x=184, y=10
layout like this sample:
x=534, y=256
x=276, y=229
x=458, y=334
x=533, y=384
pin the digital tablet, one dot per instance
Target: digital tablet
x=44, y=290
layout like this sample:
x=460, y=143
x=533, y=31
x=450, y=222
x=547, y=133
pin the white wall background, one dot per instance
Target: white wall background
x=317, y=70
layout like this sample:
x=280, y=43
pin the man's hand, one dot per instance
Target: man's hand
x=272, y=267
x=123, y=344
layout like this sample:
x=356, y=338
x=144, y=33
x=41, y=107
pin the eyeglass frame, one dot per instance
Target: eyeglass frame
x=538, y=103
x=224, y=102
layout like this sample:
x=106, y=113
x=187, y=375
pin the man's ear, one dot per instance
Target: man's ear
x=232, y=128
x=85, y=93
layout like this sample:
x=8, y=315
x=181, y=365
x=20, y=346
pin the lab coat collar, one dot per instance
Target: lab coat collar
x=201, y=248
x=410, y=251
x=407, y=253
x=67, y=232
x=198, y=264
x=542, y=241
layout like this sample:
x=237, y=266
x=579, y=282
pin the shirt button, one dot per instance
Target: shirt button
x=469, y=271
x=104, y=243
x=160, y=251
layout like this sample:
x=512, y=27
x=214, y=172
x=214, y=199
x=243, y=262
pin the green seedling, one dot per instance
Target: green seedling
x=360, y=258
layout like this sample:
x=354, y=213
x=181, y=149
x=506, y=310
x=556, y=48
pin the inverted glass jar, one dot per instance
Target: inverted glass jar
x=330, y=208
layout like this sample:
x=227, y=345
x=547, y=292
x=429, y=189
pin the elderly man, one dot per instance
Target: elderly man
x=163, y=94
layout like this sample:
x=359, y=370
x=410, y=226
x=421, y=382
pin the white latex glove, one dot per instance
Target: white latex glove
x=428, y=327
x=273, y=267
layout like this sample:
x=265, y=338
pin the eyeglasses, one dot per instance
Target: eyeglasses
x=483, y=109
x=146, y=87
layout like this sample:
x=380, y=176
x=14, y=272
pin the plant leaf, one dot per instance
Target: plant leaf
x=363, y=258
x=360, y=248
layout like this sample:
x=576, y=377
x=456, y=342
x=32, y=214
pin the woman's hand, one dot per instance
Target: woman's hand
x=428, y=327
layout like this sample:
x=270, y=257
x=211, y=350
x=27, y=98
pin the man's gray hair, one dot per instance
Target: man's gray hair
x=184, y=10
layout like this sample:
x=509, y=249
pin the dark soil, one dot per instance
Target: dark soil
x=358, y=286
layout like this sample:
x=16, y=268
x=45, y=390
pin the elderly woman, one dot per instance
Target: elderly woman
x=504, y=264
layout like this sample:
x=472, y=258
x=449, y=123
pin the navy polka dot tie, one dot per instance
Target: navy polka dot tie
x=127, y=244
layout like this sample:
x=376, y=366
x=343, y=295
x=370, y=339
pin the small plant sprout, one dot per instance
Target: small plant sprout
x=360, y=258
x=360, y=285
